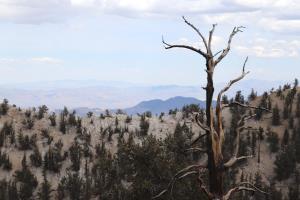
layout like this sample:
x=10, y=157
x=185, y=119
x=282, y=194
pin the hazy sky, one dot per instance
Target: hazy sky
x=121, y=39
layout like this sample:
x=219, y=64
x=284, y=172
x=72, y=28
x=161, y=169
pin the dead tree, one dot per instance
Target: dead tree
x=213, y=127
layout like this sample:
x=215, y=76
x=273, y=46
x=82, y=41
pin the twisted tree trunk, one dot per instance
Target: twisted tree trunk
x=214, y=133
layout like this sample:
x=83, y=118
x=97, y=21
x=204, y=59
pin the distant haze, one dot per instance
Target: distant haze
x=111, y=94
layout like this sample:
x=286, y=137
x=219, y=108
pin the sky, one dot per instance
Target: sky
x=120, y=40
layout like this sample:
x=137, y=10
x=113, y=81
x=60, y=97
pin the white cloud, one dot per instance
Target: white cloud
x=37, y=11
x=30, y=61
x=34, y=11
x=270, y=48
x=279, y=25
x=276, y=15
x=45, y=60
x=263, y=16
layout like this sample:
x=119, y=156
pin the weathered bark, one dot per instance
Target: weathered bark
x=214, y=134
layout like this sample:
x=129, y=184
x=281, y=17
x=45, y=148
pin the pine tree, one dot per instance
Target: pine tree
x=293, y=193
x=27, y=180
x=273, y=142
x=52, y=119
x=60, y=194
x=144, y=126
x=7, y=165
x=285, y=139
x=42, y=110
x=72, y=119
x=285, y=163
x=4, y=107
x=74, y=186
x=88, y=182
x=252, y=95
x=75, y=152
x=297, y=146
x=276, y=116
x=274, y=193
x=36, y=158
x=45, y=189
x=63, y=123
x=285, y=112
x=291, y=122
x=12, y=191
x=298, y=106
x=225, y=99
x=128, y=119
x=89, y=114
x=53, y=159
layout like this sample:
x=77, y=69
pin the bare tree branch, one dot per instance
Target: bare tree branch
x=203, y=188
x=219, y=101
x=169, y=46
x=211, y=32
x=240, y=127
x=244, y=186
x=234, y=160
x=197, y=30
x=198, y=138
x=217, y=53
x=195, y=149
x=231, y=82
x=235, y=103
x=189, y=170
x=200, y=124
x=226, y=50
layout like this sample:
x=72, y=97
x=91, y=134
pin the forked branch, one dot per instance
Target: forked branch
x=231, y=82
x=197, y=30
x=200, y=124
x=240, y=126
x=219, y=99
x=199, y=138
x=227, y=49
x=211, y=32
x=169, y=46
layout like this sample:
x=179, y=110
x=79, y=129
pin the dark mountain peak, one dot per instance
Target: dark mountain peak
x=157, y=106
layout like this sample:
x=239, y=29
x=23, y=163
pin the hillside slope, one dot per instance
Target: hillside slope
x=76, y=145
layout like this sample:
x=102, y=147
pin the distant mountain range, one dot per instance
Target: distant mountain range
x=157, y=106
x=103, y=95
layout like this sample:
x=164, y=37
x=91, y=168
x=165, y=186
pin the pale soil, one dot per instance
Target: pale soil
x=157, y=128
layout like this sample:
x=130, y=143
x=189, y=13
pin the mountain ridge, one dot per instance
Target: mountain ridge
x=111, y=95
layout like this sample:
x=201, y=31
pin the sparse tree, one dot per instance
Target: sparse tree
x=89, y=114
x=285, y=139
x=36, y=157
x=75, y=155
x=252, y=95
x=4, y=107
x=42, y=110
x=273, y=141
x=52, y=119
x=27, y=181
x=285, y=163
x=45, y=189
x=276, y=116
x=144, y=126
x=63, y=123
